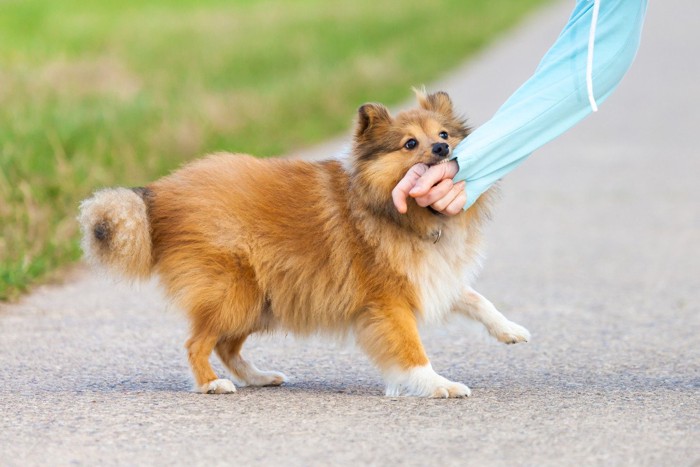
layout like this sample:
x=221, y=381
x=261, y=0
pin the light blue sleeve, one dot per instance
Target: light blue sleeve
x=556, y=97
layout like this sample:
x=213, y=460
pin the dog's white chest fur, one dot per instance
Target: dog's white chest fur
x=448, y=267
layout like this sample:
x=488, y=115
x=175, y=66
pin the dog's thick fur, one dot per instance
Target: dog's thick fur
x=247, y=245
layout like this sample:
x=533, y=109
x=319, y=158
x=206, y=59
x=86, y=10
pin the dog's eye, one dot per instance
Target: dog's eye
x=411, y=144
x=443, y=135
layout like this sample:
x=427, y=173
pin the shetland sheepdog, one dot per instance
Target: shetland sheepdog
x=246, y=245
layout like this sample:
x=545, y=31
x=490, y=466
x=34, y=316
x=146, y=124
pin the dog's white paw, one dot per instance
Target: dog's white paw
x=423, y=382
x=245, y=373
x=218, y=386
x=451, y=389
x=262, y=378
x=511, y=333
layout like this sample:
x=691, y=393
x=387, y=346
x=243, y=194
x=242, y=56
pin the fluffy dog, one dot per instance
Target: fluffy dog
x=246, y=245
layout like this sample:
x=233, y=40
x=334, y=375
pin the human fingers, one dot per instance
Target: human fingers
x=433, y=175
x=436, y=193
x=446, y=201
x=401, y=190
x=457, y=205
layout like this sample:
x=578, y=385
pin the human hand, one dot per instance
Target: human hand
x=431, y=186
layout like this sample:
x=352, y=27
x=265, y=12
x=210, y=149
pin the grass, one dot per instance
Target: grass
x=96, y=93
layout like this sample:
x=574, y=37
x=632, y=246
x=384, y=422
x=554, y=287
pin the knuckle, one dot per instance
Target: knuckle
x=444, y=188
x=454, y=210
x=438, y=205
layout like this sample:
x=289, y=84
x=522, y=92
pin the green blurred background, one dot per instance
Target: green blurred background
x=97, y=93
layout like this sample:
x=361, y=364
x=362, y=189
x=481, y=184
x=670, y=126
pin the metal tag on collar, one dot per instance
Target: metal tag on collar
x=438, y=235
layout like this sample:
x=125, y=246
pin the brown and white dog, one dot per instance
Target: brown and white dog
x=245, y=245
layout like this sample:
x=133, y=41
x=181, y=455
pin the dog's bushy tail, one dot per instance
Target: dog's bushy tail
x=116, y=231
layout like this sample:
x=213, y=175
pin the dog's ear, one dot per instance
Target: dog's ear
x=438, y=102
x=371, y=116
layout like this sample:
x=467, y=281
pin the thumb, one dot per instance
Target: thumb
x=400, y=191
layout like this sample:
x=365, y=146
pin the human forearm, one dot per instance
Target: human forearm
x=555, y=98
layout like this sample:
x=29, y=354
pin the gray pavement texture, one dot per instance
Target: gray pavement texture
x=594, y=247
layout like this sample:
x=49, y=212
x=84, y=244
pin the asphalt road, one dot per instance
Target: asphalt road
x=595, y=248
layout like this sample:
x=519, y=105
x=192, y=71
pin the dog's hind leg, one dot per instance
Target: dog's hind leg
x=243, y=372
x=222, y=300
x=199, y=348
x=390, y=337
x=477, y=307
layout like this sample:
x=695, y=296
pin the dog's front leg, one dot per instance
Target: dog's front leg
x=477, y=307
x=389, y=335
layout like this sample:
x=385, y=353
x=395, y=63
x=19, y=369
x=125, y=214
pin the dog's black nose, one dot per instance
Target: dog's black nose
x=441, y=149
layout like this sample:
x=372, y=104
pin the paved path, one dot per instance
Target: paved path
x=595, y=248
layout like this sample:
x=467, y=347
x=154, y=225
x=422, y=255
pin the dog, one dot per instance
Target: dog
x=245, y=245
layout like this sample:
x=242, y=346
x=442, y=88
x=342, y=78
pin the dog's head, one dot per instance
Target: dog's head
x=385, y=147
